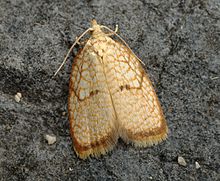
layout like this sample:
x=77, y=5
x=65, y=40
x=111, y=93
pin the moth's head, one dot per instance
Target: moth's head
x=96, y=28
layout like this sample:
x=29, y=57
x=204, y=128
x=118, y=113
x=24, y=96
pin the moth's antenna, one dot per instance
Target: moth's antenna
x=114, y=32
x=77, y=40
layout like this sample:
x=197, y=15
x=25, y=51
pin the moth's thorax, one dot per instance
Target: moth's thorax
x=99, y=45
x=99, y=40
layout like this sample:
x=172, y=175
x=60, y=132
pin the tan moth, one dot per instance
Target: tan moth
x=111, y=96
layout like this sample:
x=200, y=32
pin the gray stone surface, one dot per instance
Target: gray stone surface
x=179, y=41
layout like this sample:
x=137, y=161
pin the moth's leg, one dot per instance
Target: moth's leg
x=82, y=43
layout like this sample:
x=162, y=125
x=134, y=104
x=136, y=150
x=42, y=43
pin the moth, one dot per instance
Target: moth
x=111, y=96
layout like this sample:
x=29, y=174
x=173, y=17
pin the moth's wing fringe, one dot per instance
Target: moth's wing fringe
x=151, y=140
x=99, y=150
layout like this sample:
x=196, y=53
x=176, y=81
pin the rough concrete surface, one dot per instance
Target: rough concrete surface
x=178, y=40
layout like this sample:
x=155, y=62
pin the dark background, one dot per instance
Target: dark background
x=179, y=41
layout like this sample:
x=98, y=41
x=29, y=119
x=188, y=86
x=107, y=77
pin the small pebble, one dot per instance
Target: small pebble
x=18, y=97
x=64, y=113
x=197, y=165
x=50, y=139
x=181, y=161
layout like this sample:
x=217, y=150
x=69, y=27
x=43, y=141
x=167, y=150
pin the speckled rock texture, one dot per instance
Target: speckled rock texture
x=179, y=41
